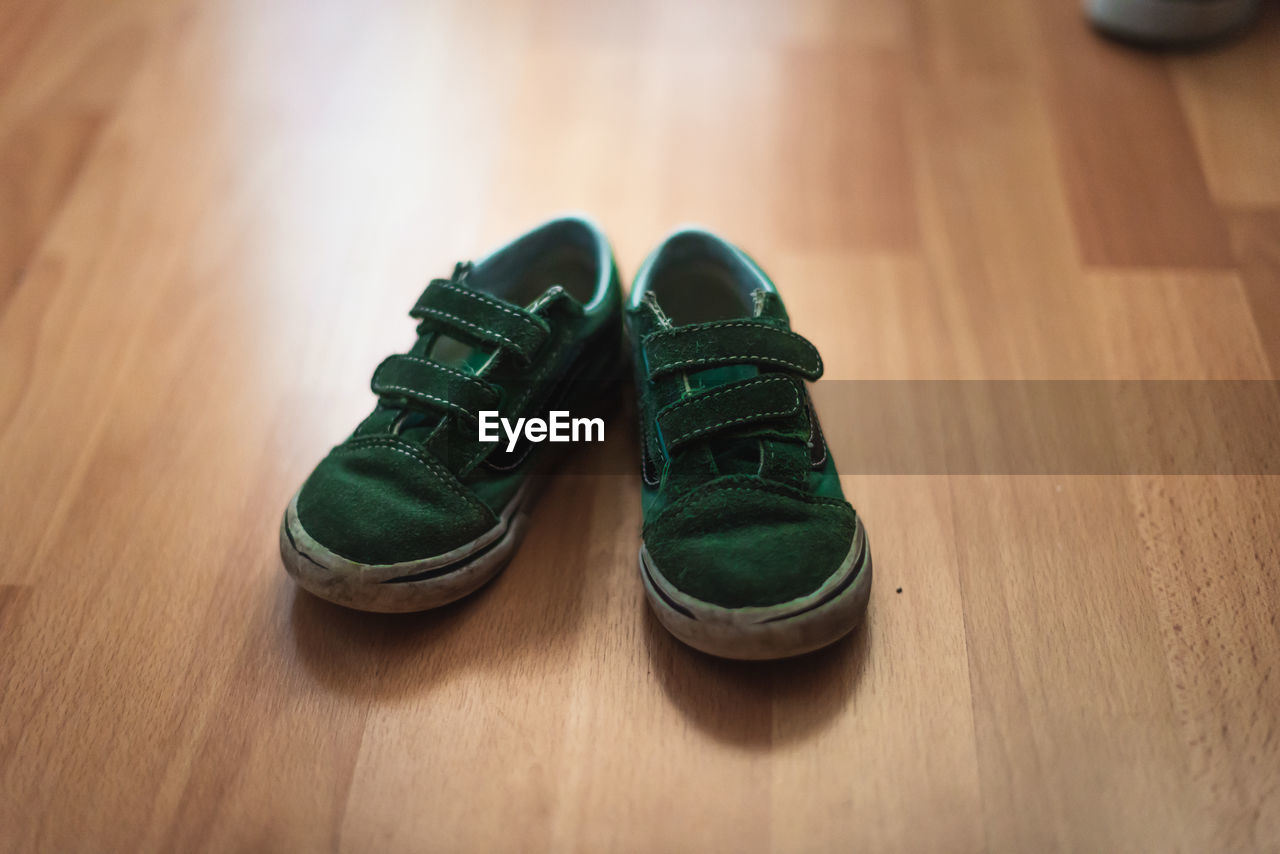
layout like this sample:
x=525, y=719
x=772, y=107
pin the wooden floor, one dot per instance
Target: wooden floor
x=213, y=219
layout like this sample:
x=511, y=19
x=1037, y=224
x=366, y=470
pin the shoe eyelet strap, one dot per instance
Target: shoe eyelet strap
x=729, y=342
x=435, y=386
x=474, y=316
x=744, y=402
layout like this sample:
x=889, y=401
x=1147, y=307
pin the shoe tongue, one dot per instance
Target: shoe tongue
x=766, y=307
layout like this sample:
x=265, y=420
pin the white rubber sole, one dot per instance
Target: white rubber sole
x=776, y=631
x=417, y=585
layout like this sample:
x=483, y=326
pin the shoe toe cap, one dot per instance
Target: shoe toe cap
x=750, y=545
x=387, y=502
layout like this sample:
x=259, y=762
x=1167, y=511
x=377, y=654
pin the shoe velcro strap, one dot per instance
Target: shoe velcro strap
x=434, y=385
x=474, y=316
x=743, y=402
x=729, y=342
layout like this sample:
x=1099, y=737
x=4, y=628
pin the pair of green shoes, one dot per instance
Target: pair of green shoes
x=749, y=549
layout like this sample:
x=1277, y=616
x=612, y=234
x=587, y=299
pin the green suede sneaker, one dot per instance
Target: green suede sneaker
x=750, y=550
x=414, y=510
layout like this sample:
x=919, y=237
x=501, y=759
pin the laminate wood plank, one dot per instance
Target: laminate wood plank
x=596, y=143
x=998, y=232
x=782, y=23
x=718, y=141
x=717, y=24
x=843, y=171
x=52, y=118
x=1159, y=325
x=571, y=600
x=886, y=302
x=994, y=40
x=214, y=219
x=915, y=638
x=48, y=159
x=1039, y=708
x=1229, y=97
x=1052, y=692
x=1129, y=163
x=1256, y=239
x=997, y=235
x=1206, y=556
x=13, y=598
x=48, y=49
x=1208, y=547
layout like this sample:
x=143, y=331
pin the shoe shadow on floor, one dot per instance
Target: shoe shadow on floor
x=357, y=653
x=530, y=614
x=532, y=608
x=758, y=704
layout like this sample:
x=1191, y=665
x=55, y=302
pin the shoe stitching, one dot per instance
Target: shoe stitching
x=815, y=433
x=768, y=360
x=778, y=489
x=482, y=330
x=410, y=451
x=490, y=301
x=474, y=380
x=727, y=389
x=445, y=368
x=799, y=339
x=693, y=434
x=454, y=407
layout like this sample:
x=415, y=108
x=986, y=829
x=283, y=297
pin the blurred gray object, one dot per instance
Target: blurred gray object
x=1170, y=22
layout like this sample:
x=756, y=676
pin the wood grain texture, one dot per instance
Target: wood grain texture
x=1229, y=100
x=213, y=218
x=1256, y=238
x=845, y=140
x=1131, y=170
